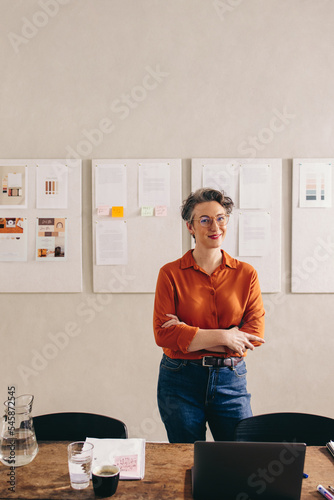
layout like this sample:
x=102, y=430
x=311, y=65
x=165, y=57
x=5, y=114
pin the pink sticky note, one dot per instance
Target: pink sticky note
x=103, y=210
x=127, y=463
x=160, y=211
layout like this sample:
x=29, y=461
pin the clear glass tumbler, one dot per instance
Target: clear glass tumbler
x=80, y=457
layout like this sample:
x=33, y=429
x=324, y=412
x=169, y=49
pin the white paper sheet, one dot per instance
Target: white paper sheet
x=154, y=184
x=13, y=186
x=254, y=233
x=217, y=177
x=13, y=239
x=255, y=186
x=111, y=243
x=229, y=243
x=14, y=181
x=51, y=239
x=315, y=186
x=52, y=186
x=128, y=454
x=110, y=185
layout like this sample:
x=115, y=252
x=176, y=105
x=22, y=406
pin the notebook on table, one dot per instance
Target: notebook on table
x=226, y=470
x=127, y=454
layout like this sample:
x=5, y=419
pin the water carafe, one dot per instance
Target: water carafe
x=18, y=445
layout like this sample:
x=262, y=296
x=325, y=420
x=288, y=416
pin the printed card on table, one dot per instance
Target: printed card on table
x=128, y=465
x=128, y=454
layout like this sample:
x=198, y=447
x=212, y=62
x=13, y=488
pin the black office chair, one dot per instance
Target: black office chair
x=75, y=426
x=314, y=430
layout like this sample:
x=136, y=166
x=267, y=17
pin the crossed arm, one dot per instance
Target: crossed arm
x=217, y=340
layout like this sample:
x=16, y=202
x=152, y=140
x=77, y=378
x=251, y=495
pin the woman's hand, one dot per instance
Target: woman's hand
x=239, y=341
x=173, y=321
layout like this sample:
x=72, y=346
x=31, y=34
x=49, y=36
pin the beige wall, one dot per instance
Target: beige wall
x=225, y=69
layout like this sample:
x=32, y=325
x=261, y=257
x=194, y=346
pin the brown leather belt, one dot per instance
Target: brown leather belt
x=213, y=361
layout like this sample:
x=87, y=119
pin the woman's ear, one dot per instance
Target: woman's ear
x=190, y=228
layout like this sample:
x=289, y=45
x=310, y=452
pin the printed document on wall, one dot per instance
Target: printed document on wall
x=229, y=244
x=52, y=186
x=254, y=233
x=51, y=239
x=110, y=185
x=154, y=184
x=13, y=189
x=13, y=239
x=111, y=243
x=219, y=177
x=315, y=189
x=255, y=186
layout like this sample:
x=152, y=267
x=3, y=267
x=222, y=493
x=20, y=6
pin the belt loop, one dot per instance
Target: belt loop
x=232, y=365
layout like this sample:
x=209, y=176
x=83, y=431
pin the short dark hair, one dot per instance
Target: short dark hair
x=201, y=196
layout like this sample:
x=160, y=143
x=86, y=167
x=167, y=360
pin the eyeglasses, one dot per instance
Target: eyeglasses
x=205, y=221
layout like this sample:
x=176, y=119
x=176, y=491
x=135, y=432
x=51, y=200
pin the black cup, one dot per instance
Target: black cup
x=105, y=480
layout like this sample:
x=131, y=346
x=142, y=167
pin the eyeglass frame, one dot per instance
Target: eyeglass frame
x=211, y=219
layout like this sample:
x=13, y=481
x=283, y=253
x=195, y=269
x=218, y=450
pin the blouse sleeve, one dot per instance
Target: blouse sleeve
x=177, y=337
x=253, y=318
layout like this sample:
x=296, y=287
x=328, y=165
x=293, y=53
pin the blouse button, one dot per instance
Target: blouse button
x=212, y=292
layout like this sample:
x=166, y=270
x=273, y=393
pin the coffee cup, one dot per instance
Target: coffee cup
x=105, y=480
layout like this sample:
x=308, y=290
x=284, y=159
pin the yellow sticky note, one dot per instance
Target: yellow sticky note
x=160, y=211
x=117, y=212
x=147, y=211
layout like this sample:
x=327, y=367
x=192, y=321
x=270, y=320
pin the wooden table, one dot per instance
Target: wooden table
x=167, y=475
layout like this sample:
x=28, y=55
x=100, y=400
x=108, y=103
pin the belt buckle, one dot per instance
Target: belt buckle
x=204, y=361
x=234, y=361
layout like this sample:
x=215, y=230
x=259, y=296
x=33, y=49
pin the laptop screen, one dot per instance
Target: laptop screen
x=247, y=470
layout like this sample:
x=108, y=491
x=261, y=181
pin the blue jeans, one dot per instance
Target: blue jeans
x=190, y=395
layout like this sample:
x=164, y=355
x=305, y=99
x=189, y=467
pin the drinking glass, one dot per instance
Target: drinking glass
x=80, y=457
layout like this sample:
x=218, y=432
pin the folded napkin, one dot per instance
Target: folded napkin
x=128, y=454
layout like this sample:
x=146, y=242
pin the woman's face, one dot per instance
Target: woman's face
x=213, y=235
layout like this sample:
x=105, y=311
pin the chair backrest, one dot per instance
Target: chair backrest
x=314, y=430
x=75, y=426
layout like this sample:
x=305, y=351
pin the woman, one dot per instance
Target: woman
x=208, y=312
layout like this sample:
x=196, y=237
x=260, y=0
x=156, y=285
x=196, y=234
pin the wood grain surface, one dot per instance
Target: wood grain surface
x=167, y=475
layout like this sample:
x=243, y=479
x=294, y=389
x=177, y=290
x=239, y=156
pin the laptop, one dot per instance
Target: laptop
x=226, y=470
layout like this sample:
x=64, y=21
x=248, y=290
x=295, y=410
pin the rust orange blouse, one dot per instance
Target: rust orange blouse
x=230, y=297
